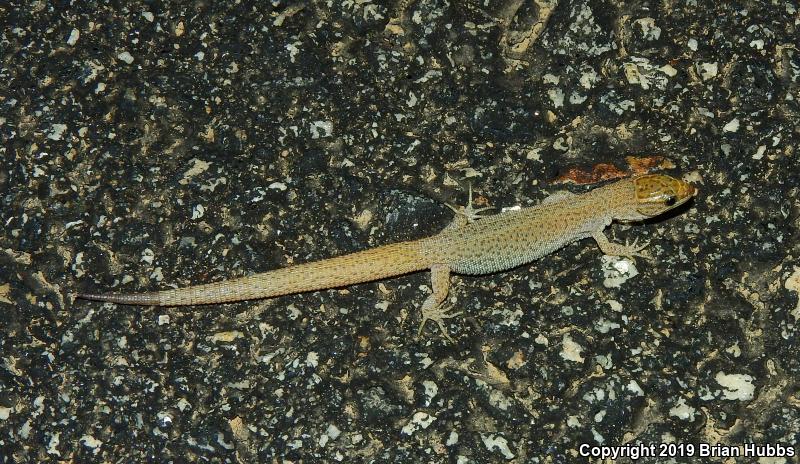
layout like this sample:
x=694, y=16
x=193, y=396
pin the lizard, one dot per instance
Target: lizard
x=472, y=244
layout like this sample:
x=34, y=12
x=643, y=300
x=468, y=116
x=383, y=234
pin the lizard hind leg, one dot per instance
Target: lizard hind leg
x=432, y=309
x=466, y=214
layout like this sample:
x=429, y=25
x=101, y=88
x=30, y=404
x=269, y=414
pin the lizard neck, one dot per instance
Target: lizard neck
x=618, y=200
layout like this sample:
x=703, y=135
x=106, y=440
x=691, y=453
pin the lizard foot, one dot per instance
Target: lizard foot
x=467, y=212
x=630, y=250
x=437, y=314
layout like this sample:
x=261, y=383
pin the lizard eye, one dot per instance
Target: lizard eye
x=670, y=200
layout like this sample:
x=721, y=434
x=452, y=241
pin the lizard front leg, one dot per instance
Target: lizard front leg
x=432, y=309
x=618, y=249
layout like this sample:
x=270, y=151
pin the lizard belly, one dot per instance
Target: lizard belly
x=510, y=254
x=508, y=240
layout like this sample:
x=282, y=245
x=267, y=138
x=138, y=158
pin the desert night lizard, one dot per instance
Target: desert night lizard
x=471, y=244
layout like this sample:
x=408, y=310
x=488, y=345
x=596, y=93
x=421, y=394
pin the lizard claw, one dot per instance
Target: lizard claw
x=633, y=249
x=628, y=250
x=471, y=214
x=438, y=314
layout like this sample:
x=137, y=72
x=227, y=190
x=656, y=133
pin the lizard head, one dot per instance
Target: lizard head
x=658, y=193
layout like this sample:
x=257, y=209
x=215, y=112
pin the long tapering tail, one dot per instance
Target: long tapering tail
x=363, y=266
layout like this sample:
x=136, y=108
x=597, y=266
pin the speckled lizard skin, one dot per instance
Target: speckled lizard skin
x=471, y=244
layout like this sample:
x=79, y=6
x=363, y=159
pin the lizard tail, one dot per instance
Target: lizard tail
x=363, y=266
